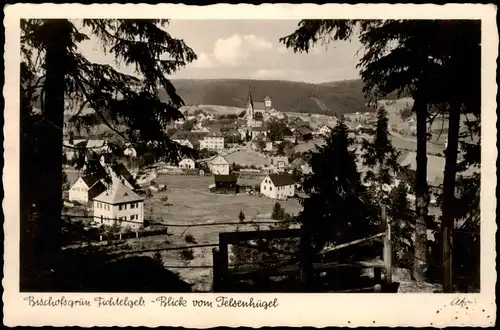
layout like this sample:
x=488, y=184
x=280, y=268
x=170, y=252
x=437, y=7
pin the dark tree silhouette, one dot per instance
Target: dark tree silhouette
x=61, y=72
x=395, y=61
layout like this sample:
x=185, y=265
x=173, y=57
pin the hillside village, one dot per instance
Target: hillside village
x=257, y=155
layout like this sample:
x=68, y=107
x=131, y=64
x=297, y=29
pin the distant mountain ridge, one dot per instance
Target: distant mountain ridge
x=287, y=96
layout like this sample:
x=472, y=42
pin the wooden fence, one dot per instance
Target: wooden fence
x=224, y=276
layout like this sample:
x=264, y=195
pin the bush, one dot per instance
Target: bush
x=157, y=256
x=187, y=255
x=190, y=239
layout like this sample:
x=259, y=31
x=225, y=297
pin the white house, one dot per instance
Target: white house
x=187, y=163
x=278, y=186
x=86, y=188
x=218, y=165
x=279, y=161
x=213, y=141
x=324, y=130
x=121, y=205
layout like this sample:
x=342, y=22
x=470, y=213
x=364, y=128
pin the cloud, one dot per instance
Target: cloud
x=235, y=49
x=203, y=61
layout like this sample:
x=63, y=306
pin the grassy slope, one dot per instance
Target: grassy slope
x=287, y=96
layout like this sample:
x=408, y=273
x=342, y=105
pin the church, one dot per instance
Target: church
x=257, y=112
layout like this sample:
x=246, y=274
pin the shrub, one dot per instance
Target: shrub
x=187, y=255
x=190, y=239
x=157, y=256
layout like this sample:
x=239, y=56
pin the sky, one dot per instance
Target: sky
x=250, y=49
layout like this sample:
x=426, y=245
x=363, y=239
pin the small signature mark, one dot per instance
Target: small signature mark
x=462, y=302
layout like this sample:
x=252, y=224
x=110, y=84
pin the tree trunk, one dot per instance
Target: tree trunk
x=447, y=219
x=421, y=192
x=48, y=239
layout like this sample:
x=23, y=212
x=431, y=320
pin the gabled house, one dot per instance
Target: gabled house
x=86, y=188
x=279, y=161
x=120, y=174
x=261, y=141
x=256, y=131
x=303, y=134
x=225, y=184
x=213, y=141
x=218, y=165
x=119, y=204
x=187, y=163
x=278, y=186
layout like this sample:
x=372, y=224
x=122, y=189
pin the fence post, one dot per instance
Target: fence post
x=100, y=237
x=223, y=262
x=216, y=281
x=387, y=247
x=136, y=234
x=305, y=262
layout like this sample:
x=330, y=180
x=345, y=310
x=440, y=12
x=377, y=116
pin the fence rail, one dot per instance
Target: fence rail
x=223, y=275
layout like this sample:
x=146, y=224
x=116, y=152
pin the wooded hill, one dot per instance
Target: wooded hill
x=287, y=96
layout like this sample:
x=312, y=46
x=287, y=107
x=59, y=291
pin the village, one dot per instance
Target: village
x=247, y=163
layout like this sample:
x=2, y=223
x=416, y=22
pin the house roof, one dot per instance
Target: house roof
x=215, y=133
x=303, y=130
x=122, y=171
x=218, y=159
x=226, y=178
x=267, y=98
x=259, y=129
x=91, y=180
x=118, y=194
x=241, y=122
x=182, y=135
x=280, y=180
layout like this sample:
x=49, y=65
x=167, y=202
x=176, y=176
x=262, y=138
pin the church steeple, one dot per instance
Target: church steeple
x=250, y=100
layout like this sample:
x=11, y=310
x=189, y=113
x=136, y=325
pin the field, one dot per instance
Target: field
x=190, y=202
x=247, y=158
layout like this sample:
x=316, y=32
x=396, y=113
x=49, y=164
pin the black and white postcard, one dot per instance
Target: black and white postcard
x=241, y=165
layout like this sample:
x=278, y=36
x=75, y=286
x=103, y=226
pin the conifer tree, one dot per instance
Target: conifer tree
x=402, y=225
x=53, y=71
x=337, y=209
x=381, y=158
x=241, y=216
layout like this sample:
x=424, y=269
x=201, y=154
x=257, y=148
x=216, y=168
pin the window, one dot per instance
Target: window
x=120, y=207
x=132, y=205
